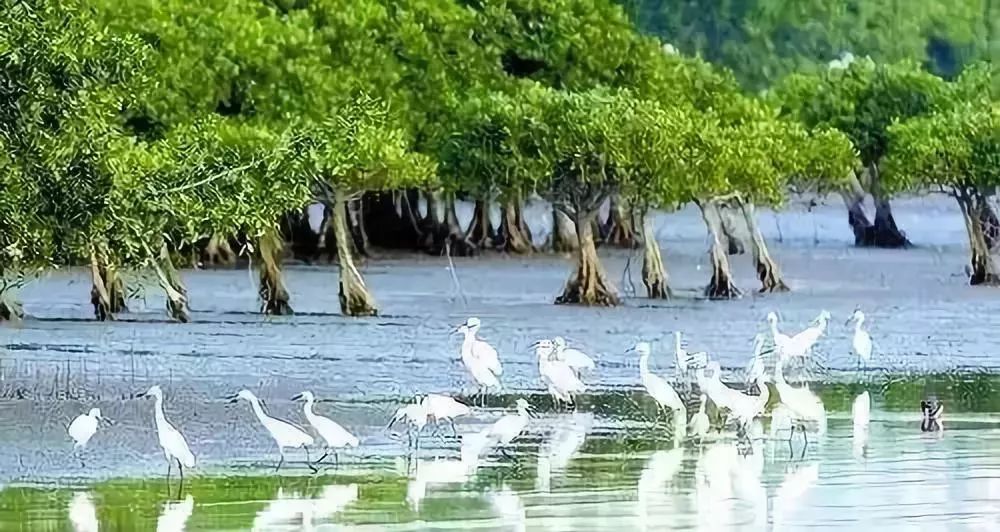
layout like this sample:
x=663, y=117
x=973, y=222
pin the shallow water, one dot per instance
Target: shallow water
x=933, y=335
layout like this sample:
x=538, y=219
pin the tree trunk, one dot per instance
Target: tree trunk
x=991, y=226
x=887, y=234
x=481, y=232
x=721, y=286
x=730, y=231
x=107, y=292
x=587, y=285
x=563, y=232
x=854, y=200
x=217, y=252
x=519, y=219
x=357, y=224
x=326, y=235
x=173, y=285
x=767, y=269
x=273, y=294
x=983, y=269
x=654, y=274
x=513, y=238
x=620, y=229
x=355, y=300
x=10, y=307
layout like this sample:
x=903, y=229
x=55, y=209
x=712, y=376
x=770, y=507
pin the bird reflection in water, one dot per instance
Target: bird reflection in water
x=295, y=512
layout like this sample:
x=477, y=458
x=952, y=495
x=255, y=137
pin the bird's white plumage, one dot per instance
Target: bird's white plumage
x=757, y=363
x=778, y=338
x=657, y=387
x=84, y=427
x=801, y=402
x=684, y=360
x=285, y=434
x=721, y=395
x=557, y=375
x=175, y=515
x=83, y=513
x=414, y=414
x=332, y=432
x=171, y=440
x=510, y=426
x=861, y=342
x=479, y=357
x=444, y=408
x=699, y=421
x=574, y=358
x=801, y=344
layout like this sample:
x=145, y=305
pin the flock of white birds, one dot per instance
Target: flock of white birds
x=561, y=369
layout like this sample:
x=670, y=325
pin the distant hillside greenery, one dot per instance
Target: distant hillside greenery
x=764, y=40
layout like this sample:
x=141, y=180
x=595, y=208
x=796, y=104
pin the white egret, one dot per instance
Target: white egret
x=699, y=421
x=778, y=338
x=443, y=408
x=84, y=427
x=510, y=426
x=479, y=357
x=748, y=407
x=721, y=395
x=558, y=376
x=574, y=358
x=862, y=341
x=803, y=405
x=173, y=443
x=758, y=362
x=801, y=344
x=415, y=416
x=333, y=433
x=684, y=360
x=657, y=387
x=285, y=434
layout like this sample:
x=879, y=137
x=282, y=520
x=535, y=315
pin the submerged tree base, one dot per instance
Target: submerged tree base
x=273, y=295
x=10, y=310
x=587, y=285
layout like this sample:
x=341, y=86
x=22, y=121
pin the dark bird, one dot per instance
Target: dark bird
x=932, y=411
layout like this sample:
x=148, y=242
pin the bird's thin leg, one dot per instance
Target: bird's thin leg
x=170, y=464
x=180, y=471
x=507, y=455
x=336, y=460
x=281, y=461
x=321, y=458
x=805, y=439
x=308, y=461
x=454, y=432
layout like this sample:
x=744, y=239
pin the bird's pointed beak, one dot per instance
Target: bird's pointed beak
x=232, y=398
x=107, y=420
x=140, y=395
x=297, y=397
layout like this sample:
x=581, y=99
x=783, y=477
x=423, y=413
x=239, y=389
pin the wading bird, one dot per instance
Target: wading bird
x=443, y=408
x=415, y=416
x=84, y=427
x=862, y=341
x=560, y=379
x=802, y=404
x=335, y=436
x=173, y=443
x=657, y=387
x=683, y=361
x=284, y=433
x=757, y=363
x=574, y=358
x=699, y=421
x=510, y=426
x=480, y=358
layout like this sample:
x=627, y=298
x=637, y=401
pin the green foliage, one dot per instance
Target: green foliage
x=362, y=149
x=958, y=149
x=862, y=100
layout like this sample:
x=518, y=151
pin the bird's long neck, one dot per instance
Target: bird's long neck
x=644, y=364
x=858, y=323
x=310, y=413
x=701, y=407
x=779, y=375
x=255, y=405
x=677, y=343
x=158, y=411
x=774, y=329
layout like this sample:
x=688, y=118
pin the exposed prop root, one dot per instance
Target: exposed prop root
x=721, y=285
x=172, y=284
x=355, y=299
x=654, y=274
x=588, y=285
x=10, y=309
x=107, y=293
x=481, y=231
x=983, y=270
x=767, y=269
x=512, y=236
x=273, y=294
x=620, y=229
x=217, y=252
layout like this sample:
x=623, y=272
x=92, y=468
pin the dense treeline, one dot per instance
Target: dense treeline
x=135, y=133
